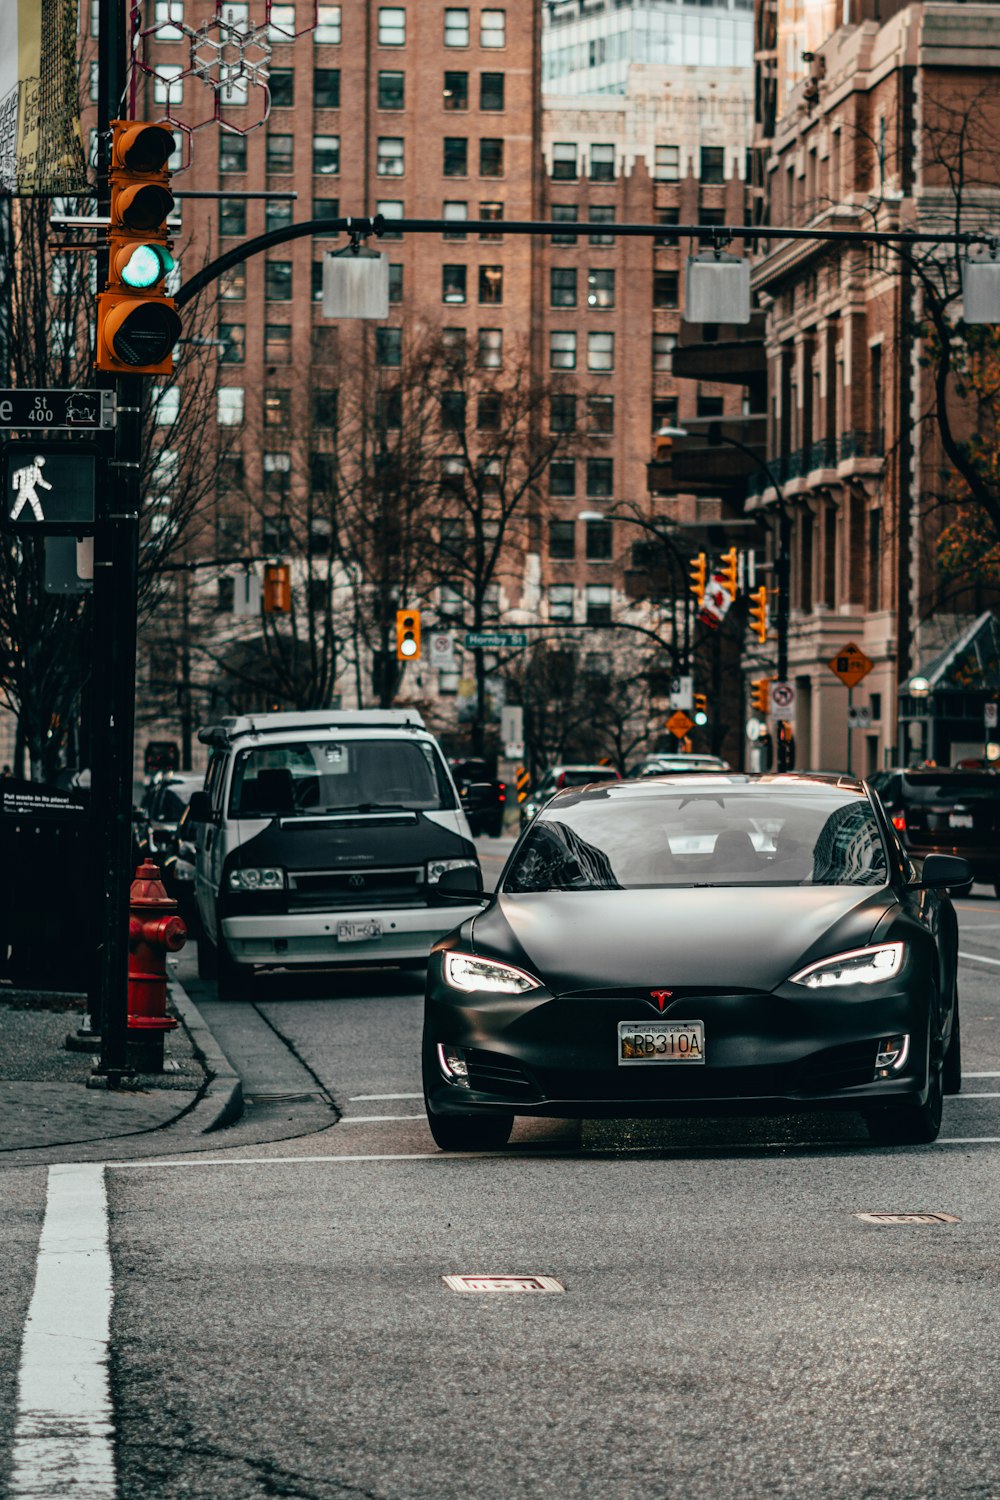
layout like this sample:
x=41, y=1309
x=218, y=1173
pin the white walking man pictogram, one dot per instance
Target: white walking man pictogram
x=24, y=482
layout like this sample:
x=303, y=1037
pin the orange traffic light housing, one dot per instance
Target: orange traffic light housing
x=758, y=612
x=137, y=323
x=277, y=589
x=728, y=571
x=407, y=635
x=760, y=695
x=699, y=575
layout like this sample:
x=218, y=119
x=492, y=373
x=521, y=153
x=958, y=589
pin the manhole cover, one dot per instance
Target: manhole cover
x=879, y=1218
x=503, y=1284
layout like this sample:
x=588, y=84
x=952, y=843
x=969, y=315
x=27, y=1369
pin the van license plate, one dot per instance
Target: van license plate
x=357, y=932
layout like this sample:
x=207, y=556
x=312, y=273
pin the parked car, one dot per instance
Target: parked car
x=558, y=777
x=164, y=837
x=484, y=798
x=669, y=764
x=938, y=811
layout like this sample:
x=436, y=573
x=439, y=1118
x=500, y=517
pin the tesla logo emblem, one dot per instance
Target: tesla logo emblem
x=660, y=997
x=357, y=881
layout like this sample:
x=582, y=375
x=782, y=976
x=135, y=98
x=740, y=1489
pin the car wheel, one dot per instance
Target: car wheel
x=951, y=1073
x=468, y=1132
x=235, y=981
x=911, y=1124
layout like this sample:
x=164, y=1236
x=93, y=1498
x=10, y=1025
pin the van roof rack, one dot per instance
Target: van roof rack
x=230, y=729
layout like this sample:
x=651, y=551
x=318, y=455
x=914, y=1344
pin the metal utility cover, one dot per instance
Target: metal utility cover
x=355, y=285
x=886, y=1218
x=503, y=1284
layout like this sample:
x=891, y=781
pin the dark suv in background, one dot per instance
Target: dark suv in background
x=941, y=811
x=484, y=798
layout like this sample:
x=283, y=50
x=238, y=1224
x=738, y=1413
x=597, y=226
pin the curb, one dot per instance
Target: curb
x=221, y=1103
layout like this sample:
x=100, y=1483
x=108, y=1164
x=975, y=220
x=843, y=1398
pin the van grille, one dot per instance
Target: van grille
x=343, y=890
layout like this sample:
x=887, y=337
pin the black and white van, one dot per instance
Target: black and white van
x=327, y=838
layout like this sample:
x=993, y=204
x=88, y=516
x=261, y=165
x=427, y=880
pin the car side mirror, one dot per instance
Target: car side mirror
x=465, y=883
x=946, y=872
x=200, y=808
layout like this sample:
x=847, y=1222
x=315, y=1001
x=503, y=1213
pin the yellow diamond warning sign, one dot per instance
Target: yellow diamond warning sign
x=850, y=664
x=679, y=724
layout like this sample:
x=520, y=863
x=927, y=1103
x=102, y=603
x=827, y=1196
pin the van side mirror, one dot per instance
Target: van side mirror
x=946, y=872
x=200, y=808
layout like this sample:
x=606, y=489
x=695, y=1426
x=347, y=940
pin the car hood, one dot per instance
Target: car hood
x=740, y=938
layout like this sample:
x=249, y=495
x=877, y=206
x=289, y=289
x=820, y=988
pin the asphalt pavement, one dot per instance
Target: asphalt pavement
x=729, y=1325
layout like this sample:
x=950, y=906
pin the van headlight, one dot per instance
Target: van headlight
x=264, y=879
x=464, y=972
x=857, y=966
x=438, y=867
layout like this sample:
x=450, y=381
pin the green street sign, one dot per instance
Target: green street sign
x=494, y=640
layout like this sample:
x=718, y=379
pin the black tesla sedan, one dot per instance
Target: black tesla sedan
x=700, y=944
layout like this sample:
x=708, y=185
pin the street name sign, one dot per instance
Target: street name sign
x=850, y=664
x=50, y=411
x=48, y=487
x=494, y=640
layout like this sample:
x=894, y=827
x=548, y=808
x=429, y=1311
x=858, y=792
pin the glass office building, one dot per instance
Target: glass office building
x=588, y=45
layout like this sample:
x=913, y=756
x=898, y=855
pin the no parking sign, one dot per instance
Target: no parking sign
x=442, y=651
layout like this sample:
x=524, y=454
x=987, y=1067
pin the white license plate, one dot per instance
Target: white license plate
x=357, y=932
x=960, y=820
x=664, y=1042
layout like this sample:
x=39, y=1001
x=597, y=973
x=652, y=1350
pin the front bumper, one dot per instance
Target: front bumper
x=765, y=1053
x=309, y=939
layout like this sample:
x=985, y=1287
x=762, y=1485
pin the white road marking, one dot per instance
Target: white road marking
x=970, y=1140
x=64, y=1433
x=380, y=1098
x=370, y=1119
x=979, y=958
x=979, y=1075
x=977, y=1095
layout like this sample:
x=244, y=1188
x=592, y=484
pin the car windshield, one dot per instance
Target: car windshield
x=584, y=776
x=330, y=776
x=708, y=837
x=947, y=789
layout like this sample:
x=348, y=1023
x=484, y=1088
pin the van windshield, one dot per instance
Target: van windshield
x=330, y=776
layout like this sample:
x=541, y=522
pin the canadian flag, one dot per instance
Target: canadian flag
x=714, y=603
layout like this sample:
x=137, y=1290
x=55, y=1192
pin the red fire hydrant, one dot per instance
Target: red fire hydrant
x=154, y=930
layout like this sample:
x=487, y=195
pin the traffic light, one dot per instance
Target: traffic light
x=700, y=709
x=277, y=589
x=758, y=612
x=407, y=634
x=699, y=574
x=137, y=324
x=727, y=571
x=760, y=695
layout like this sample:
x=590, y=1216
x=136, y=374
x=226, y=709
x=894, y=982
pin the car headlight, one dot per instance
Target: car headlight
x=257, y=880
x=858, y=966
x=463, y=972
x=437, y=867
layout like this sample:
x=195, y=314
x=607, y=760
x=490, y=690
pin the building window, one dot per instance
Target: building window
x=665, y=288
x=389, y=347
x=564, y=161
x=490, y=286
x=324, y=412
x=456, y=156
x=491, y=91
x=454, y=342
x=168, y=85
x=233, y=216
x=599, y=541
x=280, y=154
x=277, y=281
x=277, y=343
x=713, y=164
x=277, y=475
x=664, y=345
x=453, y=411
x=164, y=12
x=562, y=286
x=453, y=283
x=666, y=216
x=456, y=28
x=562, y=540
x=390, y=208
x=232, y=343
x=326, y=155
x=709, y=406
x=600, y=351
x=601, y=289
x=601, y=414
x=667, y=163
x=489, y=352
x=395, y=282
x=277, y=214
x=456, y=91
x=282, y=22
x=560, y=601
x=456, y=212
x=874, y=560
x=389, y=409
x=600, y=478
x=490, y=211
x=326, y=208
x=233, y=284
x=275, y=533
x=326, y=87
x=277, y=408
x=491, y=157
x=562, y=478
x=317, y=280
x=564, y=213
x=229, y=407
x=232, y=153
x=167, y=404
x=327, y=30
x=389, y=161
x=562, y=413
x=664, y=413
x=602, y=213
x=281, y=82
x=493, y=28
x=391, y=90
x=562, y=351
x=325, y=343
x=602, y=163
x=598, y=604
x=489, y=410
x=391, y=26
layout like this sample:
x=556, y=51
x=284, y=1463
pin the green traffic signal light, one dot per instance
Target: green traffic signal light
x=145, y=265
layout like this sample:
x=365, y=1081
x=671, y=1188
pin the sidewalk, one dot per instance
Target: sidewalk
x=44, y=1098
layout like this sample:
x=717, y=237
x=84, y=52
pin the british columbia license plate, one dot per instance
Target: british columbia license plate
x=960, y=820
x=664, y=1042
x=357, y=932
